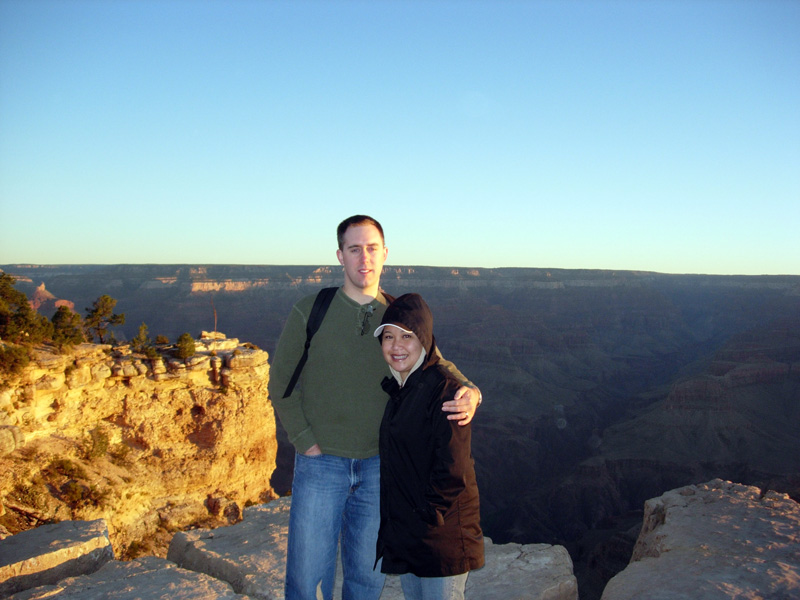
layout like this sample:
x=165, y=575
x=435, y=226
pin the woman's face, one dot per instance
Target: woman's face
x=401, y=350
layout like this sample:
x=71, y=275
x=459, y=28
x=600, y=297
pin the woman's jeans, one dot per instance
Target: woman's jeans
x=333, y=499
x=433, y=588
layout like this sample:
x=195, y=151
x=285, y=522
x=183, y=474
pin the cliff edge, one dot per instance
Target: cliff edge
x=711, y=541
x=150, y=445
x=714, y=541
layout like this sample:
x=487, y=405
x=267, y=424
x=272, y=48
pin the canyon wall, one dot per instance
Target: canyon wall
x=601, y=389
x=151, y=445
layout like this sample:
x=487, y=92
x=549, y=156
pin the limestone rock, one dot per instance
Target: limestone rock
x=714, y=541
x=517, y=571
x=10, y=438
x=52, y=552
x=147, y=578
x=106, y=433
x=251, y=556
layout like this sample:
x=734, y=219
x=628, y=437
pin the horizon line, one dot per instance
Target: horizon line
x=30, y=265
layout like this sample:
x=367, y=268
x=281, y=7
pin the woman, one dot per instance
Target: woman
x=430, y=518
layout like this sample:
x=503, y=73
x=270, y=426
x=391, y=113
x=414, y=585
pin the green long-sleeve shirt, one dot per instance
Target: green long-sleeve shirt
x=338, y=402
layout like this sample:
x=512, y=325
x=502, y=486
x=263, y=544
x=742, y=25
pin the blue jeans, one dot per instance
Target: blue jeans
x=433, y=588
x=333, y=499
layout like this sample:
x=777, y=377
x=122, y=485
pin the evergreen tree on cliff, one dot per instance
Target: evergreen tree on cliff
x=185, y=346
x=19, y=323
x=67, y=327
x=142, y=342
x=101, y=316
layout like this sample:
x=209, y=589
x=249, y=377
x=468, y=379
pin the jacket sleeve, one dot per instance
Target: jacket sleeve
x=287, y=354
x=451, y=461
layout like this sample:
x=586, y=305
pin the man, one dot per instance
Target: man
x=333, y=417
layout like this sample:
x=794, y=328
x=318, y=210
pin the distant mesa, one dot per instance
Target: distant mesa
x=46, y=303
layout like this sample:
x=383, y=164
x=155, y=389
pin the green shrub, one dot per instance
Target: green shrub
x=29, y=495
x=98, y=443
x=120, y=453
x=73, y=493
x=19, y=323
x=13, y=359
x=67, y=468
x=67, y=328
x=141, y=342
x=77, y=495
x=185, y=346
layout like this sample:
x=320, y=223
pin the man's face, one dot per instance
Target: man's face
x=362, y=256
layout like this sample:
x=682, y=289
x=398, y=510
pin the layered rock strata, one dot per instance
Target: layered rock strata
x=151, y=445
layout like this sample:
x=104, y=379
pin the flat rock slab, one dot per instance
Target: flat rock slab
x=251, y=556
x=147, y=578
x=714, y=541
x=52, y=552
x=517, y=571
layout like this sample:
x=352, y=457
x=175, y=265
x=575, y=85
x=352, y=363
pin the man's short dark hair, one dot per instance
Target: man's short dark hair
x=356, y=220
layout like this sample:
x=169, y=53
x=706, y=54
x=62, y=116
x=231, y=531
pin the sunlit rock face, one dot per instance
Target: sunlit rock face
x=714, y=541
x=151, y=445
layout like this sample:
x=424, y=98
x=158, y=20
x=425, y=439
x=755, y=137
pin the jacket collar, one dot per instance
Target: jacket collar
x=417, y=365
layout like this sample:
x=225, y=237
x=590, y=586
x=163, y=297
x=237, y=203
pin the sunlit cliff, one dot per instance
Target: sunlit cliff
x=150, y=445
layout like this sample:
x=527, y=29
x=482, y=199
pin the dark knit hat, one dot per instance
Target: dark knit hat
x=410, y=312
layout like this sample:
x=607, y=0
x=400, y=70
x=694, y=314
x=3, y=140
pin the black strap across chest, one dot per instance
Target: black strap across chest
x=321, y=304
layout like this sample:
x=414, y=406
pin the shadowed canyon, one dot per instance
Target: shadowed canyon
x=601, y=389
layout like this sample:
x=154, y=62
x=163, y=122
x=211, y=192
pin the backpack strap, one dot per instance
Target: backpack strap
x=321, y=304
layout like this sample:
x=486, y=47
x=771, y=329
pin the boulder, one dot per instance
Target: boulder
x=147, y=578
x=714, y=541
x=52, y=552
x=10, y=439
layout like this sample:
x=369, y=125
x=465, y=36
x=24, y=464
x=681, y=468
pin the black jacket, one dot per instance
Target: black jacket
x=430, y=515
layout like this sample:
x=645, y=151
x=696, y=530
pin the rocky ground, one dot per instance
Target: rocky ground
x=711, y=541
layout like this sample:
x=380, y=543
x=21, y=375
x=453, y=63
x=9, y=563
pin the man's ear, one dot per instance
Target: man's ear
x=339, y=256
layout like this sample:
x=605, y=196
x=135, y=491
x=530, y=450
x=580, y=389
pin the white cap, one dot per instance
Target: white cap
x=379, y=329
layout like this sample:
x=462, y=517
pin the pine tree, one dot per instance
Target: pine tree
x=100, y=317
x=67, y=328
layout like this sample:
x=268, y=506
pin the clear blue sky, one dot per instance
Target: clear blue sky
x=653, y=135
